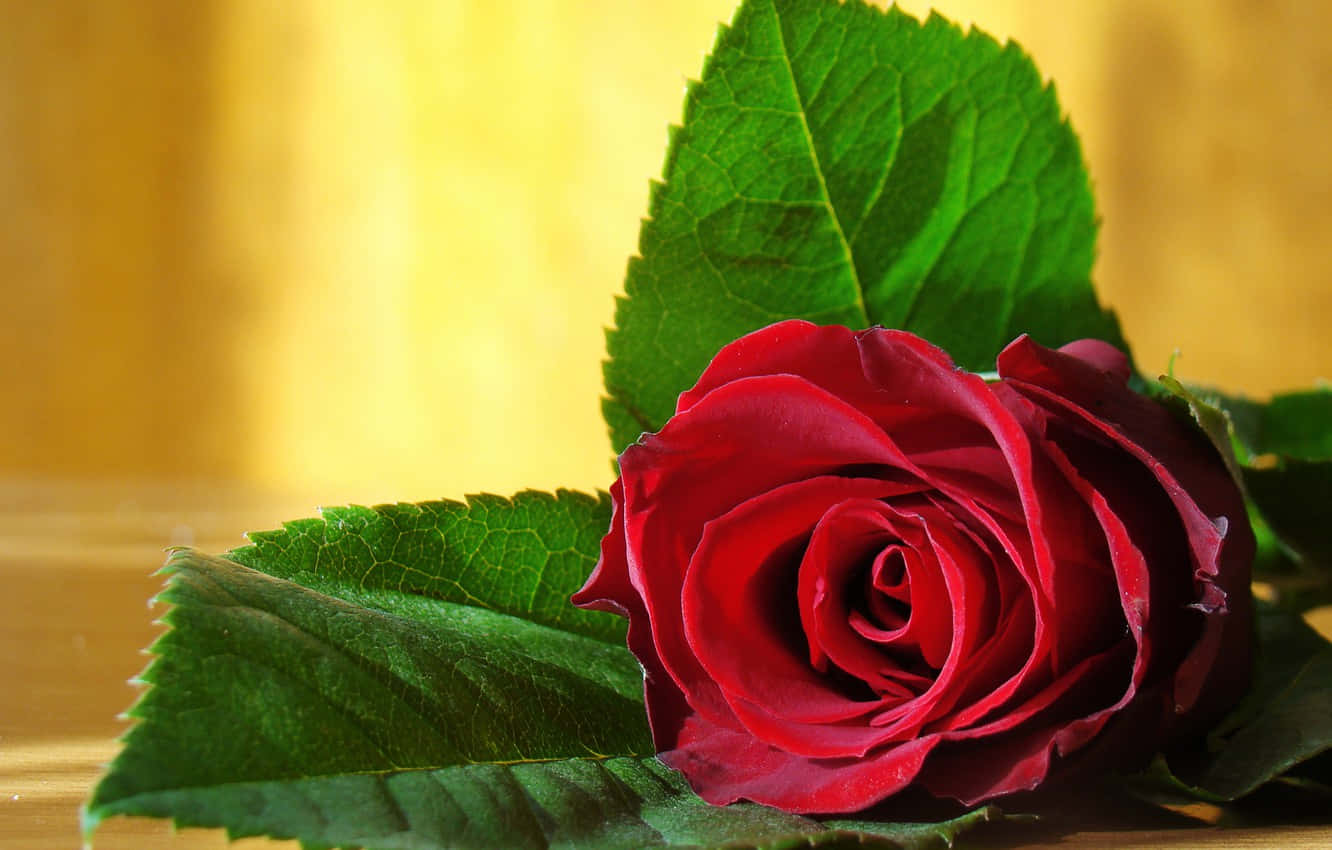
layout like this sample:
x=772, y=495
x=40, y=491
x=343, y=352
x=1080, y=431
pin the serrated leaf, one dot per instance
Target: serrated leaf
x=262, y=680
x=523, y=556
x=848, y=165
x=574, y=803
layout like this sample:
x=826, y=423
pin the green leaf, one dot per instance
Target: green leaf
x=1210, y=418
x=847, y=165
x=523, y=556
x=1293, y=425
x=1293, y=726
x=1284, y=721
x=260, y=679
x=573, y=803
x=1296, y=499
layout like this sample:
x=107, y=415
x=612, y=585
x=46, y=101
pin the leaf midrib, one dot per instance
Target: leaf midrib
x=362, y=663
x=818, y=169
x=392, y=682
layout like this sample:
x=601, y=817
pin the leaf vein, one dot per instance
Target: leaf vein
x=818, y=169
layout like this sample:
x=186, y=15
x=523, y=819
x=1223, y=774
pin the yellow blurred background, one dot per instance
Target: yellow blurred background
x=368, y=249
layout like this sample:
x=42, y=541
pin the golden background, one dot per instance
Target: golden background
x=367, y=250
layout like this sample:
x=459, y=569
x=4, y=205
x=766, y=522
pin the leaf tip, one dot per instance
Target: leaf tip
x=89, y=820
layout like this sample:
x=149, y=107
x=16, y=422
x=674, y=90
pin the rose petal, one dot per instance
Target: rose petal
x=1198, y=485
x=1100, y=355
x=609, y=589
x=724, y=766
x=969, y=575
x=973, y=771
x=738, y=604
x=1002, y=758
x=750, y=436
x=835, y=552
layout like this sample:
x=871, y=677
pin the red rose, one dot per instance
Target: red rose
x=850, y=567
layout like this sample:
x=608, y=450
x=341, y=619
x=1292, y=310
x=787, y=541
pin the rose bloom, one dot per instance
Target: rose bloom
x=851, y=568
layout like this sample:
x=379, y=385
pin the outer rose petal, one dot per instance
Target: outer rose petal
x=609, y=589
x=1100, y=354
x=725, y=766
x=1210, y=506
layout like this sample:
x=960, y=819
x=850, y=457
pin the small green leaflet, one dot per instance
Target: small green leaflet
x=1284, y=451
x=1288, y=443
x=1293, y=425
x=1209, y=418
x=847, y=165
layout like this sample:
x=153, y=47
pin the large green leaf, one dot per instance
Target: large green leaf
x=848, y=165
x=259, y=679
x=620, y=803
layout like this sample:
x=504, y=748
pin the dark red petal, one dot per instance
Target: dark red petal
x=974, y=771
x=748, y=437
x=1019, y=565
x=944, y=419
x=1087, y=688
x=1083, y=583
x=972, y=598
x=1002, y=757
x=1135, y=599
x=739, y=606
x=824, y=355
x=997, y=670
x=845, y=538
x=1031, y=549
x=1206, y=499
x=724, y=766
x=1101, y=355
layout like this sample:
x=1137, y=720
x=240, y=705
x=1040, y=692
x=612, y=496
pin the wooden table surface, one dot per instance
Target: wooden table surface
x=76, y=564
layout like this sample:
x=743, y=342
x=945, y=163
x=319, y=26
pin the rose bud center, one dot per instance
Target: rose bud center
x=876, y=592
